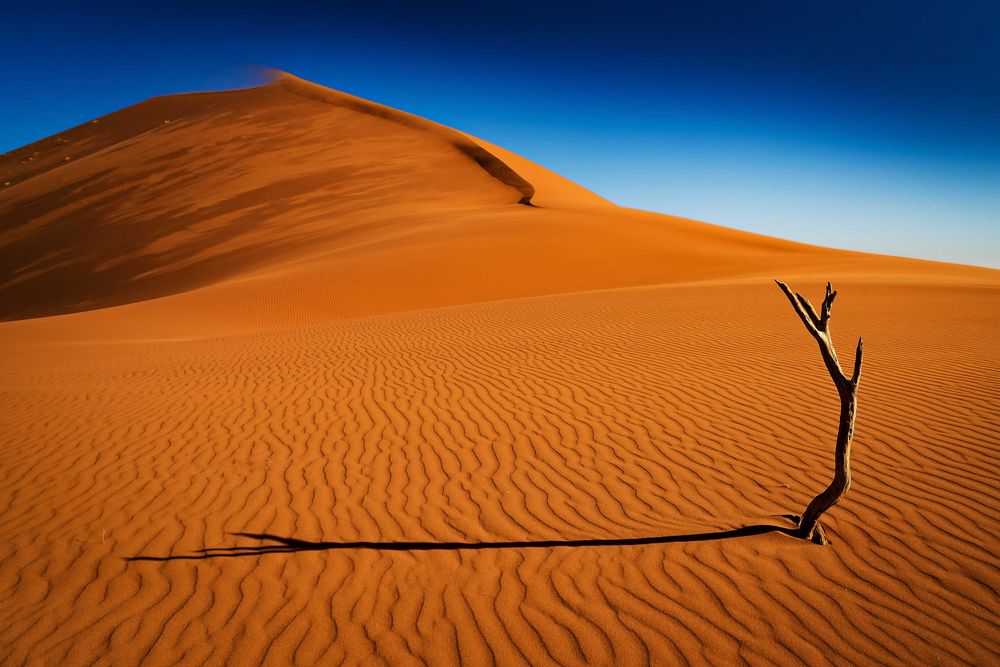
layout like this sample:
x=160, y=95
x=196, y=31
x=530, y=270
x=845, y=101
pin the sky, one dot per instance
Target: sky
x=864, y=125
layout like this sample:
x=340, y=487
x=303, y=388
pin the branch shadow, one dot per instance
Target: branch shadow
x=284, y=545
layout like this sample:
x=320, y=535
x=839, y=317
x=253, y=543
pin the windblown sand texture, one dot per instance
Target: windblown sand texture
x=289, y=377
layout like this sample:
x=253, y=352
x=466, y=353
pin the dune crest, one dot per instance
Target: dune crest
x=489, y=162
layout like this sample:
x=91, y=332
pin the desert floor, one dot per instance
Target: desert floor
x=290, y=379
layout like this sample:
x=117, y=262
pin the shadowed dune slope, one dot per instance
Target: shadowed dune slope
x=178, y=192
x=291, y=378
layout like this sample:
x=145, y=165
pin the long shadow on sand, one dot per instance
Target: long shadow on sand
x=285, y=545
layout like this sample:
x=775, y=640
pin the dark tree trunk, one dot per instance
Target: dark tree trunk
x=819, y=326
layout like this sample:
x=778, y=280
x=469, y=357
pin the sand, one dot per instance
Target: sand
x=289, y=377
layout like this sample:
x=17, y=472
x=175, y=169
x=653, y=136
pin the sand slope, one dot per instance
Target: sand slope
x=437, y=415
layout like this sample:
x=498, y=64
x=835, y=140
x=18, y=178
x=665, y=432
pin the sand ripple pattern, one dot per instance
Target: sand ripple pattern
x=605, y=415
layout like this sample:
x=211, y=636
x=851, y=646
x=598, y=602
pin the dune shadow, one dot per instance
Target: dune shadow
x=284, y=545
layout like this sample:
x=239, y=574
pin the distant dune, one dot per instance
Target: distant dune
x=370, y=343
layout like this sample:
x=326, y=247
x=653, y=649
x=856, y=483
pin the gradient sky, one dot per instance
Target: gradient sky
x=866, y=125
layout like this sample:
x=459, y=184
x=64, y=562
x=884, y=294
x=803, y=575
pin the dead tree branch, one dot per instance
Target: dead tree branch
x=819, y=326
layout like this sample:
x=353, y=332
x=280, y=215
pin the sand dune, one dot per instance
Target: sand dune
x=295, y=378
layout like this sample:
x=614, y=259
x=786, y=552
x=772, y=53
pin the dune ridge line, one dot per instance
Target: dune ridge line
x=489, y=162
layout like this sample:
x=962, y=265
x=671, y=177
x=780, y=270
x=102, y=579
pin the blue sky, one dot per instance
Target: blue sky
x=864, y=125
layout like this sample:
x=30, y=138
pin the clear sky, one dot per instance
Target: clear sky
x=865, y=125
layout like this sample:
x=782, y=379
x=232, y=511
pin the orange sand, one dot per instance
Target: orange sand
x=286, y=311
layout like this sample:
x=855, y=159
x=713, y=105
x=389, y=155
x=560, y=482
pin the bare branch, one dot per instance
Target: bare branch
x=802, y=307
x=808, y=307
x=824, y=320
x=857, y=362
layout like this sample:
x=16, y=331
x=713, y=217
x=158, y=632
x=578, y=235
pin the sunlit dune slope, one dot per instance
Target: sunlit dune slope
x=292, y=378
x=652, y=412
